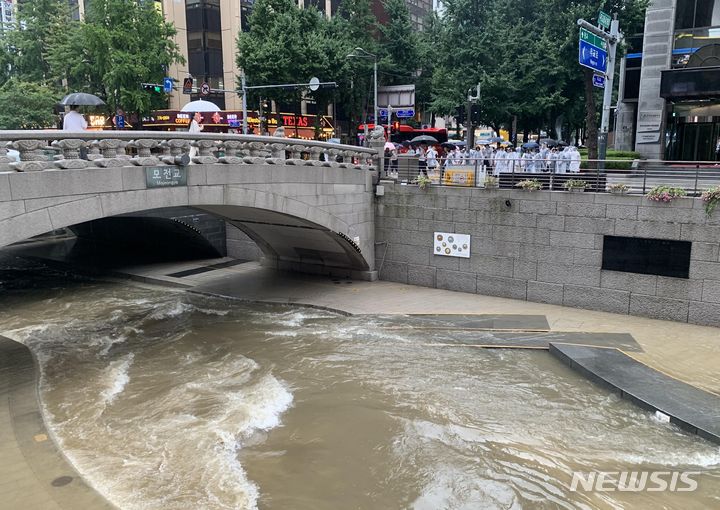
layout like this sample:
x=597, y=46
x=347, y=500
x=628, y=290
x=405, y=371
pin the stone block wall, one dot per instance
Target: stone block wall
x=547, y=247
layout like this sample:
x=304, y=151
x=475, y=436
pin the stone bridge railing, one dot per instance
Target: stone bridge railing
x=42, y=150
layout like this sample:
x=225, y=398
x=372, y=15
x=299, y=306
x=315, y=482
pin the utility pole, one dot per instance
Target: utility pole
x=470, y=136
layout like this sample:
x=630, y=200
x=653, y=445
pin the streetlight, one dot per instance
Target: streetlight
x=361, y=53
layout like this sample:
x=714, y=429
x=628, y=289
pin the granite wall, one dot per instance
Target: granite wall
x=547, y=247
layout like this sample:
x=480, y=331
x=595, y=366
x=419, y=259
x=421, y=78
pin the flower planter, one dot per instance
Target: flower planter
x=576, y=190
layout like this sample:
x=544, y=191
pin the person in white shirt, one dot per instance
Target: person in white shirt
x=74, y=121
x=195, y=127
x=431, y=158
x=574, y=165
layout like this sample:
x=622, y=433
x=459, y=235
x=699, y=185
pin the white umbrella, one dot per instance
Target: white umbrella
x=200, y=106
x=390, y=145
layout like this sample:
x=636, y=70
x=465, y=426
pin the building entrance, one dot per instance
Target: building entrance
x=697, y=141
x=693, y=132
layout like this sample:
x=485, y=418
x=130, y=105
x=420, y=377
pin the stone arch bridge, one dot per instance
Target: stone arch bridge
x=307, y=205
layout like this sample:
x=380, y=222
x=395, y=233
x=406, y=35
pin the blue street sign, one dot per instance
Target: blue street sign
x=407, y=113
x=598, y=81
x=592, y=57
x=167, y=85
x=120, y=121
x=383, y=113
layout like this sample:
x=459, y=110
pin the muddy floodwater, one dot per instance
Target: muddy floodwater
x=167, y=400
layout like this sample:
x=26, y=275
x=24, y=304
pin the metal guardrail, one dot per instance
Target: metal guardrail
x=45, y=149
x=638, y=176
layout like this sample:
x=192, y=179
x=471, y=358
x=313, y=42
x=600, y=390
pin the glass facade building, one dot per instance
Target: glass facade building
x=669, y=104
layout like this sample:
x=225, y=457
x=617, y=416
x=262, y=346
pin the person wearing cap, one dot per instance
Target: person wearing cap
x=73, y=121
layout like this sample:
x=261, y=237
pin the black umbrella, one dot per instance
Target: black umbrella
x=563, y=144
x=81, y=99
x=405, y=143
x=424, y=139
x=549, y=142
x=449, y=145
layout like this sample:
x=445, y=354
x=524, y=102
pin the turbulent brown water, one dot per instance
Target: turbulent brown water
x=163, y=399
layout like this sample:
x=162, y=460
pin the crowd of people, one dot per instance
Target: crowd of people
x=492, y=159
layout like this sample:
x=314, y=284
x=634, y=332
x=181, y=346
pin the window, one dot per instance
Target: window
x=697, y=14
x=204, y=39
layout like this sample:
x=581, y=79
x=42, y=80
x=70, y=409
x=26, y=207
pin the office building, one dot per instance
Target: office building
x=669, y=105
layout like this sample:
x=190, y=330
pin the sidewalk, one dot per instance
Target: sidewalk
x=33, y=474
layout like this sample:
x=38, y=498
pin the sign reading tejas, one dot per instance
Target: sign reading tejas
x=233, y=119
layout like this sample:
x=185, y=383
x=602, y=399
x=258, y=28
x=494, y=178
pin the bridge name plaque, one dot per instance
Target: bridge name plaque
x=165, y=176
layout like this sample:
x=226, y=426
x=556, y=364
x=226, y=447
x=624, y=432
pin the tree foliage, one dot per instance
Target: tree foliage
x=118, y=45
x=40, y=26
x=525, y=56
x=26, y=105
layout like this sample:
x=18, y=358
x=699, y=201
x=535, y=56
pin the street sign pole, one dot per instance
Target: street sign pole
x=244, y=103
x=610, y=40
x=390, y=112
x=470, y=135
x=607, y=97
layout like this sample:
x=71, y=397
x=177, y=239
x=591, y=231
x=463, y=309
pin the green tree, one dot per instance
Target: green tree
x=119, y=44
x=399, y=45
x=356, y=25
x=26, y=105
x=284, y=45
x=40, y=25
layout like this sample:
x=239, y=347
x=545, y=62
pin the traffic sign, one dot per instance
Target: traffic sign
x=592, y=57
x=120, y=121
x=167, y=85
x=599, y=81
x=592, y=39
x=187, y=85
x=407, y=113
x=383, y=113
x=205, y=89
x=604, y=20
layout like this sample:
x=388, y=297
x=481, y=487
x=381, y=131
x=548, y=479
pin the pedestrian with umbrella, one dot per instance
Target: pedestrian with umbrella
x=73, y=121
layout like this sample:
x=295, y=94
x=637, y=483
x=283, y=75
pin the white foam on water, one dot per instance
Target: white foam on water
x=116, y=378
x=183, y=452
x=210, y=311
x=170, y=310
x=23, y=334
x=450, y=487
x=106, y=343
x=675, y=458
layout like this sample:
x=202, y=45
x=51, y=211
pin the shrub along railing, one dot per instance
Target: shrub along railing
x=44, y=150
